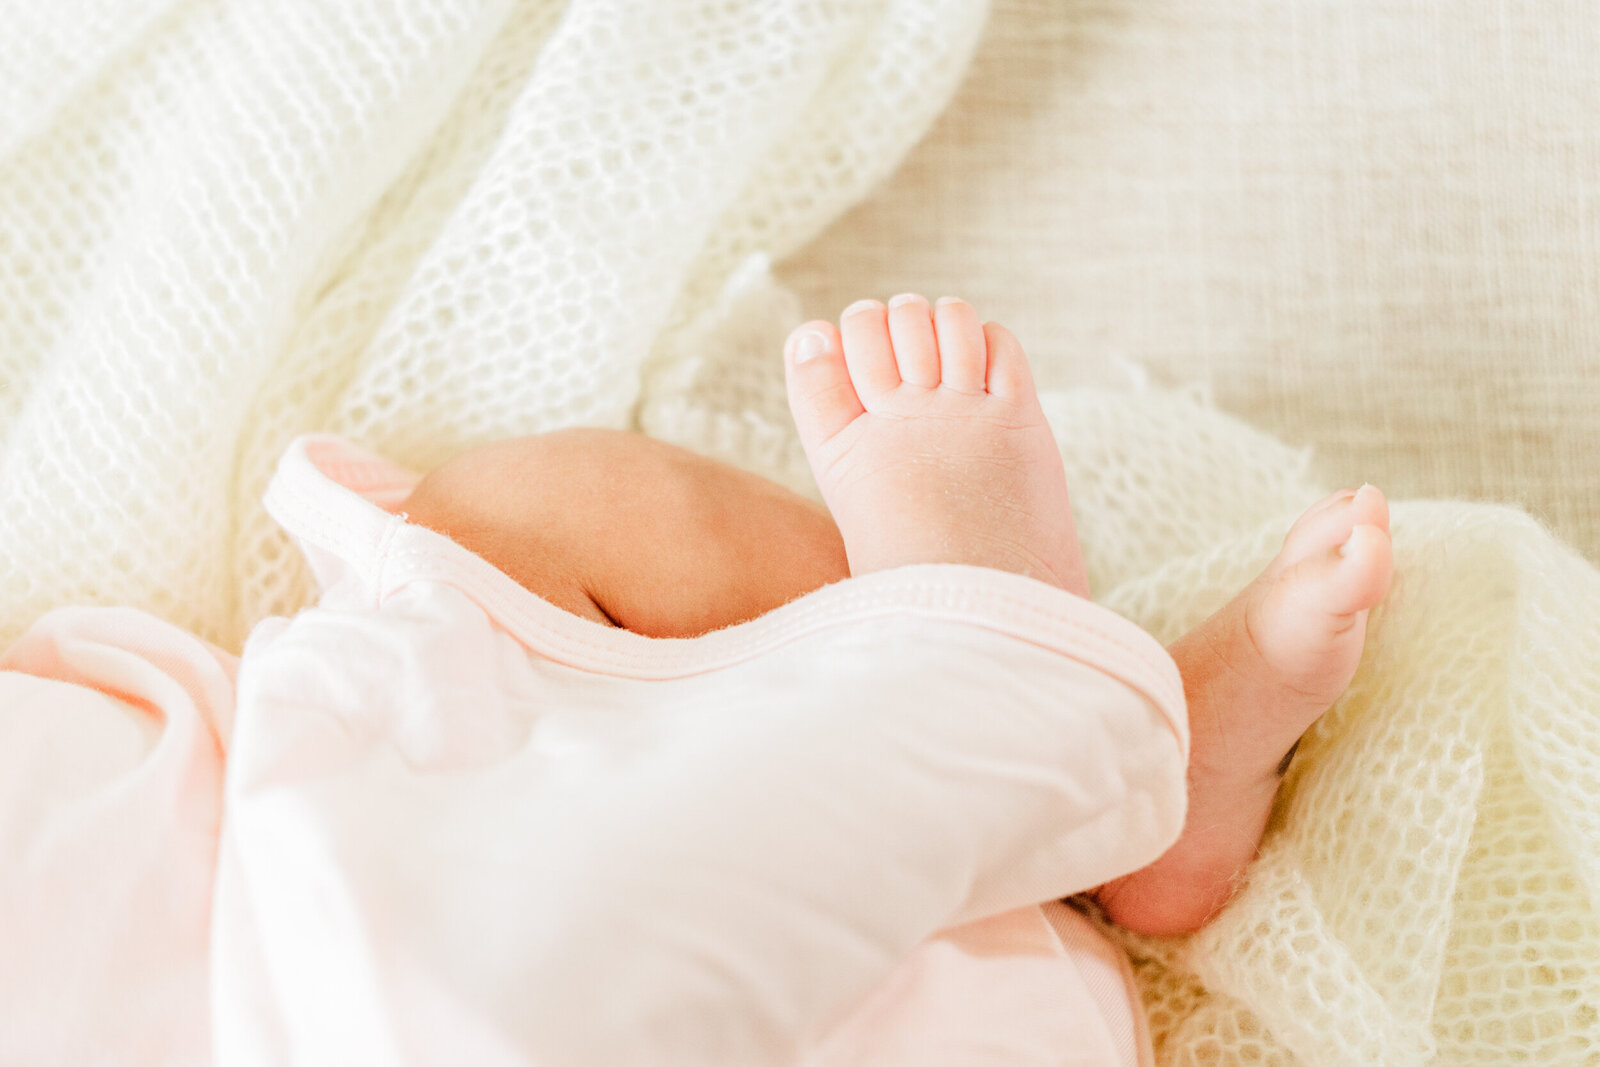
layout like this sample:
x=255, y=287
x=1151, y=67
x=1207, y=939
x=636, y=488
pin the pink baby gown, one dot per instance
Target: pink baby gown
x=463, y=826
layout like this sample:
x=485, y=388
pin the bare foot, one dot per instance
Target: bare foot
x=925, y=434
x=1256, y=675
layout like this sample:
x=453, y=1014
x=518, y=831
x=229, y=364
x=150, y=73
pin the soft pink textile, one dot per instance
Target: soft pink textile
x=112, y=728
x=464, y=826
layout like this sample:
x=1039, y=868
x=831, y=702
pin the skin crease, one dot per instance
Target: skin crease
x=628, y=531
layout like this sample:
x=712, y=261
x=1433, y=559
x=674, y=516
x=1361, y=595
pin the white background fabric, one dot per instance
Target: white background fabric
x=422, y=223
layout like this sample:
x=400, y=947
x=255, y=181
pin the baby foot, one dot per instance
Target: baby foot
x=1256, y=675
x=926, y=438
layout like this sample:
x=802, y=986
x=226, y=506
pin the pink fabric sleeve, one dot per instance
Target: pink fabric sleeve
x=112, y=729
x=470, y=826
x=434, y=835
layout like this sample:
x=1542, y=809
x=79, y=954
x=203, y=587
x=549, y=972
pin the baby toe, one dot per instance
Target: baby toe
x=1009, y=376
x=1327, y=523
x=916, y=349
x=963, y=351
x=868, y=350
x=1366, y=565
x=1307, y=622
x=822, y=397
x=1370, y=507
x=1342, y=580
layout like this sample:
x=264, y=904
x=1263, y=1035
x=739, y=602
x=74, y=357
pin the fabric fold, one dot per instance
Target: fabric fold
x=112, y=733
x=602, y=848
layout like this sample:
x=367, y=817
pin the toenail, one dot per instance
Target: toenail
x=859, y=305
x=811, y=345
x=947, y=300
x=903, y=298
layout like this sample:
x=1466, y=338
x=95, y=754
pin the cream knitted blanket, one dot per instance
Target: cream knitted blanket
x=428, y=223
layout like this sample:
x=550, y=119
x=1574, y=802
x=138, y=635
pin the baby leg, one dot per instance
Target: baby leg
x=939, y=455
x=927, y=442
x=632, y=532
x=1256, y=675
x=931, y=447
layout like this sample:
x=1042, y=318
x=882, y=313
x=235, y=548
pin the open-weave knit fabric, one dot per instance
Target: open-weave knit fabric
x=420, y=223
x=426, y=225
x=1429, y=889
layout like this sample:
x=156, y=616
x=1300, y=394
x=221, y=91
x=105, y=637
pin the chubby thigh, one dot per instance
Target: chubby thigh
x=625, y=530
